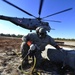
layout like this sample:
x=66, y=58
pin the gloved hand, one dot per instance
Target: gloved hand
x=32, y=47
x=58, y=48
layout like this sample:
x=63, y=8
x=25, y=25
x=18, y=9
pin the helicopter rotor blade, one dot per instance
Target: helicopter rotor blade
x=55, y=21
x=52, y=29
x=40, y=7
x=18, y=8
x=52, y=20
x=58, y=12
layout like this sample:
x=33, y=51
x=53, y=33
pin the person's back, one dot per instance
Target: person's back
x=41, y=43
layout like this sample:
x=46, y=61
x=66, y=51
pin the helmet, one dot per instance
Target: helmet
x=42, y=32
x=37, y=29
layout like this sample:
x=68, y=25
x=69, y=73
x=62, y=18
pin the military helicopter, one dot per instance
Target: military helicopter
x=31, y=23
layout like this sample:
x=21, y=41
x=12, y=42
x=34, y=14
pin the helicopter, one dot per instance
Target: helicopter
x=31, y=23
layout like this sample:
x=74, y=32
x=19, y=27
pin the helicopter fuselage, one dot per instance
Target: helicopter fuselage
x=27, y=23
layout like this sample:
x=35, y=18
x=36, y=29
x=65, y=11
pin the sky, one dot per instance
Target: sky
x=65, y=29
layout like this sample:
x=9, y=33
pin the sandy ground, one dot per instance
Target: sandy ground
x=9, y=61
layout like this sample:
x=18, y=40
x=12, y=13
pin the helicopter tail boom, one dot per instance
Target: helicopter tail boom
x=14, y=20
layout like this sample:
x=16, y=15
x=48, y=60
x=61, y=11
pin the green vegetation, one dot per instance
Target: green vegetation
x=64, y=39
x=11, y=35
x=19, y=36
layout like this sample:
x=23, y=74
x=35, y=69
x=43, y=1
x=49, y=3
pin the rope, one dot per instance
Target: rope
x=32, y=68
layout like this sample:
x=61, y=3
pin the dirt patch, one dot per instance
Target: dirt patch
x=10, y=43
x=9, y=61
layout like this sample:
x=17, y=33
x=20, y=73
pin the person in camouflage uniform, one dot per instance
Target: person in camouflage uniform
x=39, y=39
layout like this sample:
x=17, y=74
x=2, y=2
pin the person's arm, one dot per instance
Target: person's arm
x=54, y=44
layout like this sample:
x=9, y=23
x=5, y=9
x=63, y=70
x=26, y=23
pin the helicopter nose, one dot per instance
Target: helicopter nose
x=48, y=28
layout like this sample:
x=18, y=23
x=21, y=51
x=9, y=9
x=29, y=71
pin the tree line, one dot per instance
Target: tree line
x=11, y=35
x=20, y=36
x=67, y=39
